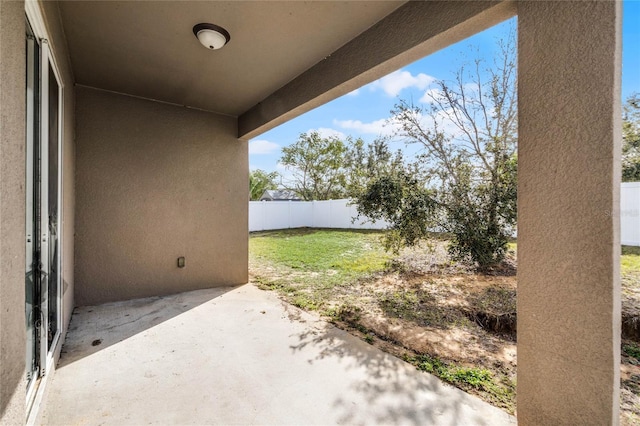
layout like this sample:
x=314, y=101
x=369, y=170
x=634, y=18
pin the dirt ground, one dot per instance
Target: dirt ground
x=427, y=304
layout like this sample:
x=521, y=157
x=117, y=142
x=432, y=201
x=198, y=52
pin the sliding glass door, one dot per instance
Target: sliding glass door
x=50, y=189
x=42, y=183
x=32, y=292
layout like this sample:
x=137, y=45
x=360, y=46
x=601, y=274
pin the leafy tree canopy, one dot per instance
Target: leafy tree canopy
x=464, y=180
x=631, y=139
x=260, y=181
x=319, y=166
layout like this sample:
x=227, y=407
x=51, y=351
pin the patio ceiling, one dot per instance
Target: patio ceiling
x=148, y=49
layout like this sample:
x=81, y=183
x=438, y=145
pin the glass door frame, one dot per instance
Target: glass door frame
x=38, y=141
x=32, y=129
x=47, y=64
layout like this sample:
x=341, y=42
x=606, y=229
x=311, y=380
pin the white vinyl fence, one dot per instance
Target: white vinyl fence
x=630, y=213
x=266, y=215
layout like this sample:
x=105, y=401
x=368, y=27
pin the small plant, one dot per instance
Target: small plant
x=632, y=351
x=304, y=302
x=279, y=285
x=368, y=338
x=427, y=363
x=361, y=328
x=500, y=390
x=347, y=313
x=473, y=376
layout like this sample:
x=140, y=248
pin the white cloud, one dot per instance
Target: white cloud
x=262, y=147
x=377, y=127
x=397, y=81
x=471, y=89
x=326, y=132
x=392, y=126
x=382, y=127
x=429, y=95
x=354, y=93
x=443, y=118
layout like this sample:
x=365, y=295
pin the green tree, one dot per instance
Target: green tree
x=463, y=181
x=260, y=181
x=318, y=166
x=631, y=139
x=369, y=162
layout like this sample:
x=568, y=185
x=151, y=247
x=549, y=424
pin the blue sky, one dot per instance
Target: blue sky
x=362, y=113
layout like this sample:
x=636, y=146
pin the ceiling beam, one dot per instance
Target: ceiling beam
x=413, y=31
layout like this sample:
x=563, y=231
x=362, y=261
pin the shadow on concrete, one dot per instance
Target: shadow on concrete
x=94, y=328
x=239, y=356
x=394, y=390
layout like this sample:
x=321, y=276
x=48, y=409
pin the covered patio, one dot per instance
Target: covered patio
x=124, y=175
x=181, y=360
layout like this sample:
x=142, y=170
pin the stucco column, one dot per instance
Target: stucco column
x=12, y=212
x=568, y=212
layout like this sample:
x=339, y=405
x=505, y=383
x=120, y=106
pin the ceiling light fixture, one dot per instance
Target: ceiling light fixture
x=211, y=36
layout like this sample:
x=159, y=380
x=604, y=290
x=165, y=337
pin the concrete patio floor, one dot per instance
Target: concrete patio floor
x=238, y=356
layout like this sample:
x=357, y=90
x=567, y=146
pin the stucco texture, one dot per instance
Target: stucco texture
x=12, y=212
x=12, y=197
x=155, y=182
x=568, y=225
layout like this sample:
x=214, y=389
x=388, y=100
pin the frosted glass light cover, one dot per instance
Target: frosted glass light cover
x=211, y=39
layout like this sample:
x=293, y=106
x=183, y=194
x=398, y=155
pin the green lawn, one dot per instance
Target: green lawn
x=306, y=265
x=630, y=262
x=345, y=254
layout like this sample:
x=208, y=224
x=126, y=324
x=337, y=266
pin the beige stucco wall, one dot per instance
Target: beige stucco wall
x=12, y=212
x=568, y=212
x=156, y=182
x=12, y=197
